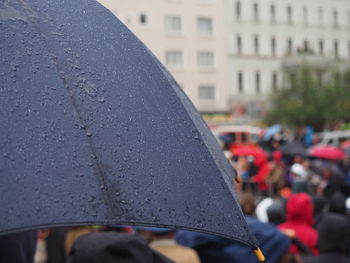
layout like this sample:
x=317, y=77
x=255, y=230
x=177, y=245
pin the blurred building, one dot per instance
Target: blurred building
x=230, y=55
x=189, y=38
x=269, y=38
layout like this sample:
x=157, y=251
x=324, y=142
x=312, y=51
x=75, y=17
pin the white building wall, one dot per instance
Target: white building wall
x=189, y=76
x=310, y=28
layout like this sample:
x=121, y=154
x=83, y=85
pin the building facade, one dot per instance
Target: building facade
x=189, y=38
x=231, y=55
x=268, y=36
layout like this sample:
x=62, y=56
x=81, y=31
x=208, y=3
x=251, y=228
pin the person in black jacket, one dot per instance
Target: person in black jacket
x=18, y=247
x=113, y=247
x=333, y=240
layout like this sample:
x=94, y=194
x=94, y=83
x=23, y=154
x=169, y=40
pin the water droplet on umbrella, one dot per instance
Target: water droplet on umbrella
x=101, y=99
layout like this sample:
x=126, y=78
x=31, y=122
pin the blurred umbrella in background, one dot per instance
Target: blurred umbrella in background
x=95, y=131
x=294, y=149
x=271, y=131
x=327, y=152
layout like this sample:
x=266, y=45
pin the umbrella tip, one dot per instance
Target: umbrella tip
x=238, y=179
x=258, y=253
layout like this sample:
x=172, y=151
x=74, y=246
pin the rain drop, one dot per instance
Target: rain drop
x=101, y=99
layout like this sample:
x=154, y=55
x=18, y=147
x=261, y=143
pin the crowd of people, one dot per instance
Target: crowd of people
x=297, y=207
x=305, y=197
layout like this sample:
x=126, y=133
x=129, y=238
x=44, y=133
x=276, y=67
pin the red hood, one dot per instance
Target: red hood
x=300, y=209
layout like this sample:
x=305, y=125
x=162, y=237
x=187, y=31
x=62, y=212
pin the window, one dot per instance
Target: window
x=335, y=18
x=289, y=46
x=306, y=46
x=256, y=12
x=272, y=13
x=240, y=82
x=274, y=81
x=320, y=16
x=289, y=15
x=320, y=47
x=206, y=93
x=204, y=25
x=336, y=49
x=173, y=58
x=143, y=19
x=305, y=16
x=257, y=83
x=239, y=45
x=205, y=60
x=256, y=45
x=238, y=10
x=173, y=24
x=273, y=46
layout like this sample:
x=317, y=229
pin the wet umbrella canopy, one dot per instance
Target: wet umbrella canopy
x=94, y=130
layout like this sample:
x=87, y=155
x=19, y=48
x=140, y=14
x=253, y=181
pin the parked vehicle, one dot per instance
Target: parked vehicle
x=334, y=138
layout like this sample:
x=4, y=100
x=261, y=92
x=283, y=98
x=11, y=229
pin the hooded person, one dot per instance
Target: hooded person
x=337, y=203
x=299, y=223
x=276, y=212
x=112, y=247
x=334, y=240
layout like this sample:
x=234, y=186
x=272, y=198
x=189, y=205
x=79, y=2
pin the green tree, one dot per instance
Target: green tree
x=307, y=101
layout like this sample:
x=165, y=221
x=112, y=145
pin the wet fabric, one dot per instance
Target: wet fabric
x=300, y=219
x=94, y=130
x=112, y=247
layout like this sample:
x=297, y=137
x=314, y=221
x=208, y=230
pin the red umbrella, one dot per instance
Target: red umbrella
x=327, y=152
x=259, y=155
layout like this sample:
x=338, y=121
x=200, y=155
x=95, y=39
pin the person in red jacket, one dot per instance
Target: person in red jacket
x=299, y=222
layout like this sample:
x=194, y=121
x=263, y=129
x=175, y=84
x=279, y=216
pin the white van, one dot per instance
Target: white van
x=334, y=138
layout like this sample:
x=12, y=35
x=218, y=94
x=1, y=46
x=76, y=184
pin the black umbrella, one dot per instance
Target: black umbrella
x=294, y=149
x=94, y=129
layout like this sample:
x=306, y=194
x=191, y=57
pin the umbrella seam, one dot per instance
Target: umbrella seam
x=98, y=169
x=107, y=222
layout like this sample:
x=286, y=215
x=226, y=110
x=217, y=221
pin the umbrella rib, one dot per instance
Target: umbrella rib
x=113, y=210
